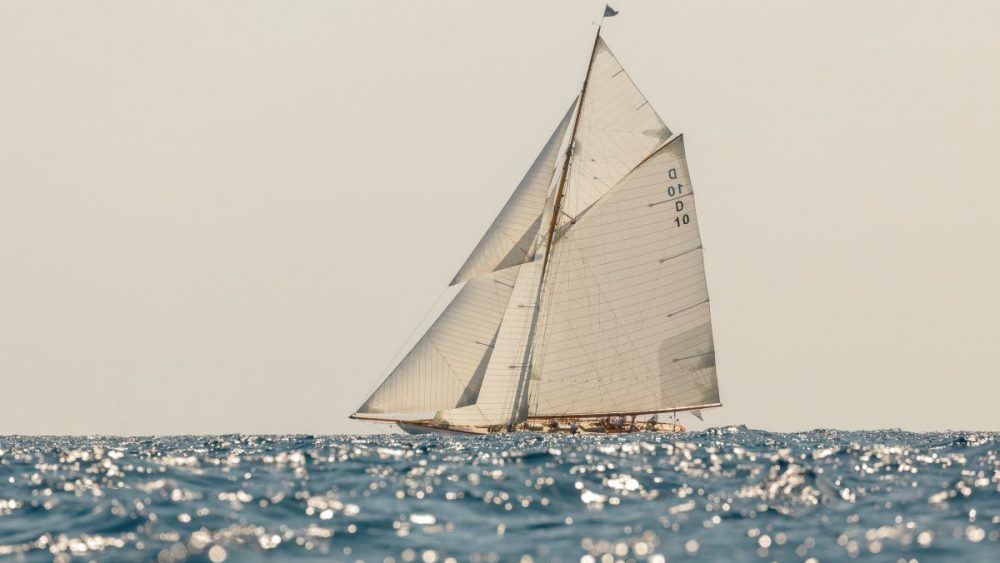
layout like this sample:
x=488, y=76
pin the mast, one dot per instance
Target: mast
x=569, y=155
x=519, y=409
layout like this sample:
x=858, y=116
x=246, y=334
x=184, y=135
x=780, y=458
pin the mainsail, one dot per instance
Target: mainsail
x=584, y=300
x=625, y=322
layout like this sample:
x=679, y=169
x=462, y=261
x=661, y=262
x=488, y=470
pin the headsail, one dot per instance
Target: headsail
x=509, y=239
x=504, y=378
x=625, y=324
x=618, y=128
x=445, y=367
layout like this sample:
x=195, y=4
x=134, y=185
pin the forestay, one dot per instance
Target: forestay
x=624, y=321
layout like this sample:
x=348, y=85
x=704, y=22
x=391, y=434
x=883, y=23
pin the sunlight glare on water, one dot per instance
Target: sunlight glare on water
x=725, y=494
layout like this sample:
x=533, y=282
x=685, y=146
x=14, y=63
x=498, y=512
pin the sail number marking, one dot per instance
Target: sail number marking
x=677, y=190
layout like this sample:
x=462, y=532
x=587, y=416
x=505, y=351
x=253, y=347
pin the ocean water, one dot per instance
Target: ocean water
x=726, y=494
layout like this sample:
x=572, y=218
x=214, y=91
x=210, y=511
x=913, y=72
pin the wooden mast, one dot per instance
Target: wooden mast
x=520, y=405
x=557, y=206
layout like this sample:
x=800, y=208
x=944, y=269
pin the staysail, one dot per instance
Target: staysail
x=508, y=363
x=445, y=367
x=625, y=324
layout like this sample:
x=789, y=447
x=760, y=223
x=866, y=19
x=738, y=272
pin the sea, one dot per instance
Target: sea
x=724, y=494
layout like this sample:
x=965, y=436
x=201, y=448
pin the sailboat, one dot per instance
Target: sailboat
x=584, y=307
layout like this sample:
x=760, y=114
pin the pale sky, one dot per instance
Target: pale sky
x=230, y=216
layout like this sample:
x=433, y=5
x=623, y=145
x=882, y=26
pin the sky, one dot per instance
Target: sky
x=232, y=216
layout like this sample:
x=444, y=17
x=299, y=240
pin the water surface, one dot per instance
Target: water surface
x=726, y=494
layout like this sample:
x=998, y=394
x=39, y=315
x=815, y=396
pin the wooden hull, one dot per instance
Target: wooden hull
x=426, y=427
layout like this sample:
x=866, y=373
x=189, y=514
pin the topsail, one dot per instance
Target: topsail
x=510, y=238
x=586, y=299
x=618, y=128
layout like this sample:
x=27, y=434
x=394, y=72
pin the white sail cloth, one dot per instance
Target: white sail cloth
x=619, y=324
x=504, y=379
x=446, y=366
x=510, y=238
x=617, y=129
x=624, y=324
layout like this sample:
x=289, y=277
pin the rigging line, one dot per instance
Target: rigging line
x=613, y=188
x=691, y=343
x=613, y=235
x=510, y=297
x=633, y=322
x=462, y=384
x=372, y=425
x=576, y=390
x=560, y=191
x=643, y=318
x=640, y=322
x=669, y=385
x=538, y=344
x=613, y=238
x=693, y=277
x=627, y=232
x=633, y=326
x=602, y=298
x=521, y=392
x=646, y=341
x=522, y=386
x=396, y=359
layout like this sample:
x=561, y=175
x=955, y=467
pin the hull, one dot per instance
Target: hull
x=416, y=428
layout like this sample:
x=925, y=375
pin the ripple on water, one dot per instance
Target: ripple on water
x=723, y=494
